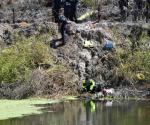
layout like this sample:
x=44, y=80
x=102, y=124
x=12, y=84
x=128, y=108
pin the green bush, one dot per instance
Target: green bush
x=131, y=65
x=133, y=56
x=18, y=60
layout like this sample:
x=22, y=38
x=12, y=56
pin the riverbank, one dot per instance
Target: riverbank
x=34, y=64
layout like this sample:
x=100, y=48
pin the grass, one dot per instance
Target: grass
x=70, y=98
x=134, y=57
x=18, y=60
x=21, y=63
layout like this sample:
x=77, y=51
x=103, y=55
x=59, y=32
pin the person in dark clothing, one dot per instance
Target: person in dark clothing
x=70, y=8
x=122, y=5
x=74, y=10
x=55, y=9
x=62, y=24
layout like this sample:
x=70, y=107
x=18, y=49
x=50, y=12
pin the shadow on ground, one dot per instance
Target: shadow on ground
x=55, y=43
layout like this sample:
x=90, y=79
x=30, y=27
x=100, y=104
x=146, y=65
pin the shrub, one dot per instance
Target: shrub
x=131, y=65
x=18, y=60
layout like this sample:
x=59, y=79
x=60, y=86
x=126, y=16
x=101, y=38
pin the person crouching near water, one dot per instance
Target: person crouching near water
x=88, y=85
x=62, y=25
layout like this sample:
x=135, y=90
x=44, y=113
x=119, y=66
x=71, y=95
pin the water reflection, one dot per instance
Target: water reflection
x=89, y=112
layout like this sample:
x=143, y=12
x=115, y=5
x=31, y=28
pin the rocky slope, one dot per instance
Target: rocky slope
x=33, y=18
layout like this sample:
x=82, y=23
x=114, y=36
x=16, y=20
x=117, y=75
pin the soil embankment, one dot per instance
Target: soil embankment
x=61, y=70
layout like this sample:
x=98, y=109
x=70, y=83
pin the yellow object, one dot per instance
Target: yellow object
x=88, y=44
x=93, y=84
x=86, y=15
x=84, y=84
x=140, y=76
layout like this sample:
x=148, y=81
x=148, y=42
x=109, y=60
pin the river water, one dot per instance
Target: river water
x=88, y=112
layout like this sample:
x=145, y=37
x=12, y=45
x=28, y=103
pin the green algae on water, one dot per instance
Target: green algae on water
x=69, y=98
x=19, y=108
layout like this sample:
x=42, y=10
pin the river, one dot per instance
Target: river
x=86, y=112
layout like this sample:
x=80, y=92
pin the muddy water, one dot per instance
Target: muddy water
x=88, y=113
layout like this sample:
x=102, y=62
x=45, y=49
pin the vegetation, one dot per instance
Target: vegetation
x=30, y=65
x=133, y=58
x=92, y=3
x=134, y=66
x=18, y=60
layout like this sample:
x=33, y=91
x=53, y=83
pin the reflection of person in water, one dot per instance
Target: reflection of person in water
x=90, y=108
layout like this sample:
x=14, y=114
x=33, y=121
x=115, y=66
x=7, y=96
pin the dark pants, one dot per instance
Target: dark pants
x=74, y=15
x=68, y=14
x=63, y=33
x=55, y=12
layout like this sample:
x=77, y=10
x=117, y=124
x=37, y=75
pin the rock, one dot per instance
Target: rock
x=110, y=91
x=85, y=55
x=82, y=66
x=95, y=34
x=6, y=34
x=36, y=28
x=98, y=95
